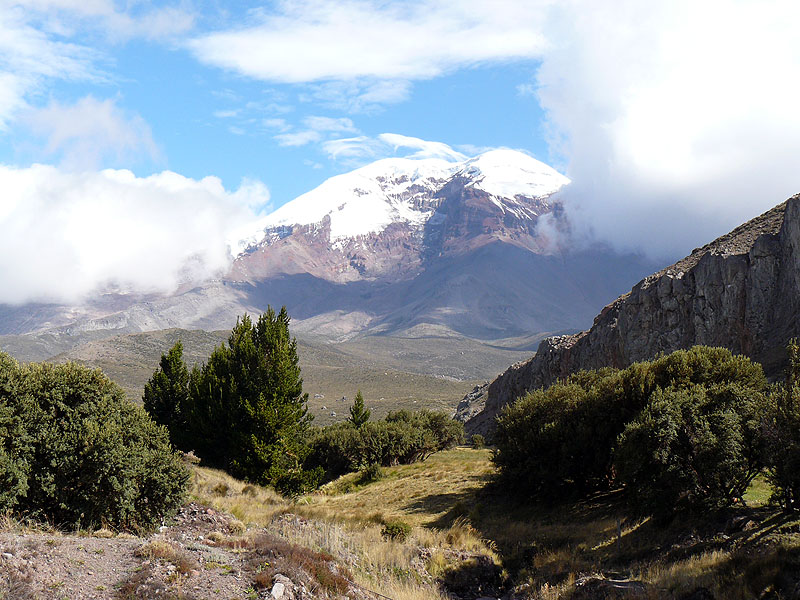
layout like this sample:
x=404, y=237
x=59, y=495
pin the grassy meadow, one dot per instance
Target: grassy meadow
x=543, y=551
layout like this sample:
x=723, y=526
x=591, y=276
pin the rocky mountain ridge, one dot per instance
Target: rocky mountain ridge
x=741, y=291
x=462, y=249
x=387, y=220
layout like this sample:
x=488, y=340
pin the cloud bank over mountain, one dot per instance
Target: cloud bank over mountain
x=676, y=120
x=66, y=235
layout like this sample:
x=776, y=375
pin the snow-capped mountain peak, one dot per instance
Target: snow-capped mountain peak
x=508, y=173
x=399, y=190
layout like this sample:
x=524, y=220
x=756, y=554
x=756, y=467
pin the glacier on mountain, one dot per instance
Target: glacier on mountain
x=392, y=190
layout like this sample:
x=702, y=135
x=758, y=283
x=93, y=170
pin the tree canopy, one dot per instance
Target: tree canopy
x=244, y=410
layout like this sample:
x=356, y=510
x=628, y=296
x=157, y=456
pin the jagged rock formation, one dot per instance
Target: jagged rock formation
x=741, y=291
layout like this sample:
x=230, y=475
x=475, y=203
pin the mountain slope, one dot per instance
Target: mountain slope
x=741, y=291
x=392, y=246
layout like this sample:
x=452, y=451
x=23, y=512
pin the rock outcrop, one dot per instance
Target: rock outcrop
x=741, y=291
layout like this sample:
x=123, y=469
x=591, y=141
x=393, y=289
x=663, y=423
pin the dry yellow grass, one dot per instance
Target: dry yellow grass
x=384, y=566
x=449, y=505
x=421, y=494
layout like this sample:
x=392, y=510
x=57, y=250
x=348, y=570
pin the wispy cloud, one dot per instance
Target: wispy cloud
x=298, y=138
x=365, y=52
x=88, y=133
x=30, y=58
x=355, y=151
x=422, y=148
x=315, y=129
x=136, y=20
x=79, y=232
x=369, y=39
x=36, y=46
x=357, y=96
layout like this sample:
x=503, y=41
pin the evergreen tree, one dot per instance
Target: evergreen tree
x=166, y=393
x=358, y=414
x=246, y=407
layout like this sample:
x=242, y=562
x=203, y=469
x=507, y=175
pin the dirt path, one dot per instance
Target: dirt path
x=182, y=561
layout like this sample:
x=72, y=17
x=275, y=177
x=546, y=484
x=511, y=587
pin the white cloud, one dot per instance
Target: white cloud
x=316, y=129
x=137, y=20
x=336, y=125
x=355, y=148
x=358, y=150
x=90, y=131
x=298, y=138
x=526, y=89
x=360, y=96
x=226, y=114
x=356, y=39
x=360, y=54
x=65, y=235
x=424, y=148
x=278, y=124
x=30, y=57
x=35, y=46
x=678, y=119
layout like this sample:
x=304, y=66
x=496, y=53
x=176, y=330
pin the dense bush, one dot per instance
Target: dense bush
x=562, y=439
x=402, y=438
x=781, y=431
x=79, y=453
x=694, y=447
x=396, y=530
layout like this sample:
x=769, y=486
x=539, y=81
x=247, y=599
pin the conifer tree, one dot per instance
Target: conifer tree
x=358, y=414
x=247, y=410
x=166, y=392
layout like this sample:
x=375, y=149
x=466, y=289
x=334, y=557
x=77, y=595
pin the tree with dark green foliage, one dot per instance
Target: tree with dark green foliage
x=695, y=448
x=81, y=453
x=403, y=437
x=246, y=410
x=165, y=395
x=781, y=430
x=358, y=414
x=15, y=441
x=561, y=440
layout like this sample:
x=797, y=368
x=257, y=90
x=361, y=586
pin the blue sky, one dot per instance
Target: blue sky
x=195, y=117
x=675, y=119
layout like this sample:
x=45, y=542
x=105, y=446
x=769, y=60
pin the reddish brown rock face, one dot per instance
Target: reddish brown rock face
x=462, y=219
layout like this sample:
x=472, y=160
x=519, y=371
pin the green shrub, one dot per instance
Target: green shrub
x=781, y=431
x=90, y=456
x=693, y=448
x=396, y=530
x=561, y=439
x=403, y=437
x=245, y=410
x=371, y=473
x=297, y=482
x=15, y=440
x=478, y=441
x=166, y=393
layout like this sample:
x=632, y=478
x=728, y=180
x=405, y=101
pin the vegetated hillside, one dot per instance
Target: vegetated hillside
x=466, y=539
x=741, y=291
x=391, y=372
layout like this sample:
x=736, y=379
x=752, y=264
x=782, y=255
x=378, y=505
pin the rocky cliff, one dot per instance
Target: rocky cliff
x=741, y=291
